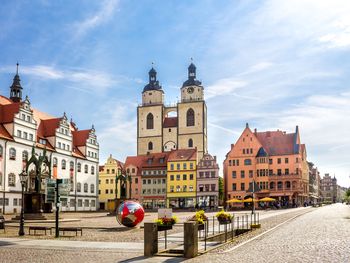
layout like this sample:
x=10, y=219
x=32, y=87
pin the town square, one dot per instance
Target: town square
x=170, y=131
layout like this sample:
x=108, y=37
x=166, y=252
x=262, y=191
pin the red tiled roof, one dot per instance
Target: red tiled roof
x=8, y=111
x=155, y=157
x=48, y=146
x=4, y=134
x=80, y=137
x=170, y=122
x=183, y=155
x=4, y=100
x=277, y=142
x=47, y=128
x=100, y=168
x=77, y=153
x=134, y=160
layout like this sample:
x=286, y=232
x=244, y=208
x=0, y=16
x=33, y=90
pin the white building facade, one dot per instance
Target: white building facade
x=73, y=153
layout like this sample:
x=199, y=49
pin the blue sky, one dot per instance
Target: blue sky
x=274, y=64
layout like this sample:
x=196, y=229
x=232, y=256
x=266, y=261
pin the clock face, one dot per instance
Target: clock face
x=190, y=90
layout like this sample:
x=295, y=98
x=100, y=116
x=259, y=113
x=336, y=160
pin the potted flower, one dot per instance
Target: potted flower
x=200, y=218
x=166, y=223
x=224, y=217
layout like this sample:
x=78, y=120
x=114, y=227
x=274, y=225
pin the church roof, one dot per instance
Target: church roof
x=170, y=122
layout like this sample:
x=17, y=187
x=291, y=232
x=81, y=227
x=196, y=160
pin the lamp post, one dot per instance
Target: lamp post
x=23, y=178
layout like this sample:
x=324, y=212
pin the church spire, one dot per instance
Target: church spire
x=192, y=81
x=16, y=88
x=153, y=82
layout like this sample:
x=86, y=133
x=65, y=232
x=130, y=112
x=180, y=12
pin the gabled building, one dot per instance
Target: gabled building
x=208, y=182
x=181, y=178
x=275, y=160
x=74, y=153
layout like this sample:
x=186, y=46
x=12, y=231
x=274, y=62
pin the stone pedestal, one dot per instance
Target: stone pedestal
x=33, y=203
x=190, y=239
x=150, y=239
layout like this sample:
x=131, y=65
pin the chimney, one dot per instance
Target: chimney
x=255, y=131
x=232, y=145
x=247, y=125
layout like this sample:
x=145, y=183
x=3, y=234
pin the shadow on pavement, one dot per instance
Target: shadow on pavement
x=5, y=243
x=158, y=259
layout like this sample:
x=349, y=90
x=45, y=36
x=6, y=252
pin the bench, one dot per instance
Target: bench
x=71, y=229
x=41, y=228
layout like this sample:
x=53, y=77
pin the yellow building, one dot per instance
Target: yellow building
x=181, y=178
x=109, y=172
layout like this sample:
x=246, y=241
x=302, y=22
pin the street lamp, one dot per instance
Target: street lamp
x=23, y=178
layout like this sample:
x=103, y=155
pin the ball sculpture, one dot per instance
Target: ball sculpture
x=130, y=214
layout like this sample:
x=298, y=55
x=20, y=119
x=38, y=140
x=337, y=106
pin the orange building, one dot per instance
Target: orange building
x=275, y=160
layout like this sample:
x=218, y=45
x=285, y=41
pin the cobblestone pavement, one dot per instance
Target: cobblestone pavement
x=319, y=236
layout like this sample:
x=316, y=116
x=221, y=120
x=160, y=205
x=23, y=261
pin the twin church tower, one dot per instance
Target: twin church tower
x=162, y=128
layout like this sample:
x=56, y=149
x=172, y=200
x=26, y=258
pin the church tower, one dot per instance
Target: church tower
x=150, y=117
x=16, y=88
x=192, y=115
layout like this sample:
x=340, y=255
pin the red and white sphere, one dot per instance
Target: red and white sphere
x=130, y=214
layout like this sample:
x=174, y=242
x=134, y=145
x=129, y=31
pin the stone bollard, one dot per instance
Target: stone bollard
x=150, y=239
x=190, y=239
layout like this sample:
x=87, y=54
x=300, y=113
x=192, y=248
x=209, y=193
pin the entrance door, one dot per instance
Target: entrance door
x=102, y=206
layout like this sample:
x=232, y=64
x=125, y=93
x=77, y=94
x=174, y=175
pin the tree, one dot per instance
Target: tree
x=347, y=195
x=221, y=189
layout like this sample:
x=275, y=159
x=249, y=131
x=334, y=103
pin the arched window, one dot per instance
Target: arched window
x=12, y=179
x=190, y=143
x=150, y=121
x=1, y=150
x=63, y=164
x=150, y=146
x=55, y=162
x=71, y=165
x=190, y=117
x=79, y=167
x=24, y=156
x=86, y=168
x=86, y=188
x=92, y=188
x=78, y=187
x=12, y=154
x=92, y=170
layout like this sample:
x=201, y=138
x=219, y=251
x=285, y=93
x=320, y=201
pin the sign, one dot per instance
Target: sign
x=63, y=190
x=50, y=191
x=165, y=212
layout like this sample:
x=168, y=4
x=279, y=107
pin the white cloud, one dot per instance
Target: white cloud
x=224, y=87
x=102, y=15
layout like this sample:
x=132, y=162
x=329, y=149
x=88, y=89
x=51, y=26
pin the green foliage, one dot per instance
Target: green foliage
x=222, y=215
x=164, y=221
x=221, y=188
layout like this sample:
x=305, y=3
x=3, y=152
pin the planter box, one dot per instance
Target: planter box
x=163, y=228
x=200, y=227
x=224, y=221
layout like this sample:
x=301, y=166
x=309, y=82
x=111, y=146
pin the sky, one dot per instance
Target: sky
x=274, y=64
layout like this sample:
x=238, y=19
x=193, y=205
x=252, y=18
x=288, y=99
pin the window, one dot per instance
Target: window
x=279, y=160
x=86, y=203
x=185, y=166
x=79, y=167
x=184, y=176
x=270, y=161
x=107, y=181
x=92, y=188
x=286, y=160
x=178, y=166
x=191, y=166
x=55, y=162
x=172, y=166
x=78, y=187
x=234, y=187
x=86, y=168
x=25, y=135
x=288, y=185
x=190, y=117
x=71, y=165
x=250, y=173
x=1, y=150
x=86, y=188
x=185, y=188
x=24, y=156
x=12, y=154
x=14, y=201
x=243, y=151
x=113, y=171
x=190, y=143
x=177, y=177
x=171, y=188
x=12, y=179
x=242, y=174
x=19, y=133
x=279, y=172
x=107, y=171
x=172, y=177
x=279, y=185
x=212, y=174
x=212, y=187
x=93, y=203
x=234, y=174
x=286, y=171
x=149, y=121
x=150, y=146
x=191, y=176
x=247, y=162
x=92, y=170
x=242, y=186
x=63, y=164
x=178, y=188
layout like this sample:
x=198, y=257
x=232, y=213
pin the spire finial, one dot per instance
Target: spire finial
x=17, y=68
x=191, y=59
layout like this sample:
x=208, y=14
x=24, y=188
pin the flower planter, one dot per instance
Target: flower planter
x=200, y=227
x=165, y=227
x=224, y=221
